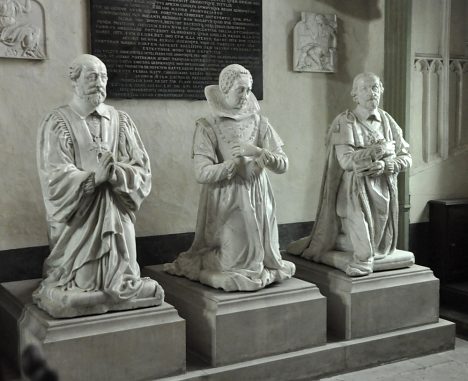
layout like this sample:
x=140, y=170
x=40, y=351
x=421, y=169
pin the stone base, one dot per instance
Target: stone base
x=131, y=345
x=225, y=328
x=377, y=303
x=65, y=304
x=334, y=358
x=397, y=260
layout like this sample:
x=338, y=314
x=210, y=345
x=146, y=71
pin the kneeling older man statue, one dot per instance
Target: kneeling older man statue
x=94, y=174
x=357, y=219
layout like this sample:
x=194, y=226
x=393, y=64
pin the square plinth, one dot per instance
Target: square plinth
x=377, y=303
x=229, y=327
x=139, y=344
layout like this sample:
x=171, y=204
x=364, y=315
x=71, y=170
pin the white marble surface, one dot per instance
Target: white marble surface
x=95, y=173
x=358, y=211
x=398, y=260
x=236, y=244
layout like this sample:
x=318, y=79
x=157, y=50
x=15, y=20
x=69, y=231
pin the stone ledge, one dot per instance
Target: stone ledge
x=228, y=327
x=380, y=302
x=397, y=260
x=334, y=358
x=126, y=345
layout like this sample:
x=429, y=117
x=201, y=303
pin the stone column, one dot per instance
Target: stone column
x=397, y=89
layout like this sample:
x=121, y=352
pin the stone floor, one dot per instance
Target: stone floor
x=444, y=366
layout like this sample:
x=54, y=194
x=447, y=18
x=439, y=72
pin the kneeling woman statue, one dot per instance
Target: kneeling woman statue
x=236, y=244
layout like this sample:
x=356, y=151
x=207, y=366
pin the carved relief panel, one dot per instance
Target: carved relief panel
x=22, y=29
x=315, y=43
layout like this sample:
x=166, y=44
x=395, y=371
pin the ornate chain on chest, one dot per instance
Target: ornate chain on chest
x=236, y=131
x=94, y=127
x=373, y=135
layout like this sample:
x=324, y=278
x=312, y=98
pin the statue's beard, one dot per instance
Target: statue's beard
x=94, y=97
x=371, y=103
x=374, y=101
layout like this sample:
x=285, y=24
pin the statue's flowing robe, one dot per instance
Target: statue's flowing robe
x=236, y=244
x=91, y=229
x=370, y=204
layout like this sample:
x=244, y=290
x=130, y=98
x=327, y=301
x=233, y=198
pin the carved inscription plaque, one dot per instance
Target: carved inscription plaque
x=174, y=48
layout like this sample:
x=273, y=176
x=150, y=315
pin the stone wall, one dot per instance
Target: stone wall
x=299, y=105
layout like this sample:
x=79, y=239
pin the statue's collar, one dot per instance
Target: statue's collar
x=363, y=114
x=102, y=110
x=218, y=108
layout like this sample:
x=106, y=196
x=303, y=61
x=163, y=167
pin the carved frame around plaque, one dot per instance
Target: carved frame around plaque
x=172, y=49
x=22, y=29
x=315, y=41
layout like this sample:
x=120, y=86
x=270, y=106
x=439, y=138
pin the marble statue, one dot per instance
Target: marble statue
x=94, y=173
x=19, y=38
x=315, y=43
x=236, y=244
x=357, y=218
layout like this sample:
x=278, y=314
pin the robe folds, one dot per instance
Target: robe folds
x=91, y=228
x=236, y=244
x=367, y=205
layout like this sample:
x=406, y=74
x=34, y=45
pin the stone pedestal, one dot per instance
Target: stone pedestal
x=377, y=303
x=398, y=260
x=131, y=345
x=59, y=303
x=225, y=328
